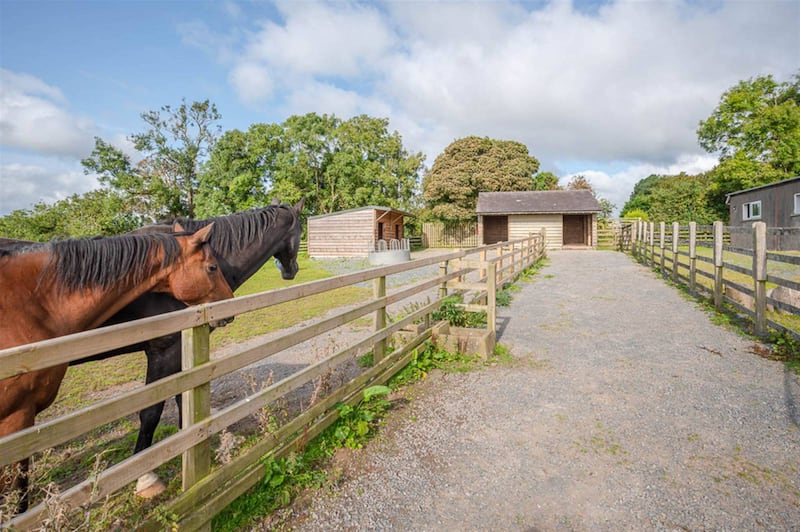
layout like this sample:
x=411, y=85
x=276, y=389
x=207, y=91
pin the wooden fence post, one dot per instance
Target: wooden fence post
x=491, y=297
x=501, y=254
x=652, y=245
x=644, y=243
x=760, y=276
x=195, y=404
x=718, y=263
x=443, y=286
x=483, y=261
x=642, y=237
x=379, y=291
x=675, y=237
x=662, y=228
x=692, y=256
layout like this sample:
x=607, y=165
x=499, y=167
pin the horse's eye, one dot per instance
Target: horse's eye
x=211, y=268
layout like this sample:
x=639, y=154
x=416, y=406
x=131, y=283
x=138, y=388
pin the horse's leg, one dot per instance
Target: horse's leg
x=163, y=360
x=14, y=478
x=25, y=396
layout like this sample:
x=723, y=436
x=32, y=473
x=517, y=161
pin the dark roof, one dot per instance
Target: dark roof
x=728, y=196
x=537, y=202
x=368, y=207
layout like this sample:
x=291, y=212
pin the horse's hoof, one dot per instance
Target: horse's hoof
x=149, y=486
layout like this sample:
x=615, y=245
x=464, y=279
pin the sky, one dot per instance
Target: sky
x=613, y=90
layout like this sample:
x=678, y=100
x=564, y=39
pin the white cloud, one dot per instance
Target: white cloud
x=617, y=186
x=315, y=41
x=33, y=118
x=324, y=39
x=629, y=82
x=25, y=184
x=252, y=82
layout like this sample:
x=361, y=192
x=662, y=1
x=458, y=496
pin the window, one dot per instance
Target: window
x=751, y=211
x=797, y=203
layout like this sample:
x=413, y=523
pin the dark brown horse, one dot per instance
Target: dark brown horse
x=243, y=242
x=75, y=285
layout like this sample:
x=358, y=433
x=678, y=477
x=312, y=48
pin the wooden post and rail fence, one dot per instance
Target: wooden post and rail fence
x=206, y=489
x=703, y=259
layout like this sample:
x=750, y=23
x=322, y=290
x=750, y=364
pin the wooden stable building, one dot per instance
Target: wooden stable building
x=569, y=217
x=350, y=233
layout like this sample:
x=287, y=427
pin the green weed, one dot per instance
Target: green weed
x=456, y=317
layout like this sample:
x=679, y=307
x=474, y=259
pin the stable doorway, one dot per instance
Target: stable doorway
x=495, y=229
x=575, y=230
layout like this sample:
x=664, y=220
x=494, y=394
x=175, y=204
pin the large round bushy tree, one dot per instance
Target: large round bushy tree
x=471, y=165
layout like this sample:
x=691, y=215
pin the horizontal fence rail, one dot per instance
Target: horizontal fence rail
x=474, y=273
x=761, y=285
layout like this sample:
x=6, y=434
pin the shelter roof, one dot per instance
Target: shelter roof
x=366, y=208
x=537, y=202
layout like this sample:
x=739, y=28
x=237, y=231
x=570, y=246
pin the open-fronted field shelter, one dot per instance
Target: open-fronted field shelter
x=569, y=217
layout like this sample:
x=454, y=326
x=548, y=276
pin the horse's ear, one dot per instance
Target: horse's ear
x=177, y=227
x=202, y=235
x=299, y=206
x=276, y=201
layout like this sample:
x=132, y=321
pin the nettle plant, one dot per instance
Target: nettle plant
x=456, y=317
x=356, y=423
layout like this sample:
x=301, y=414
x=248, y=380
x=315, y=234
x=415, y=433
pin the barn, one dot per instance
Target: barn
x=352, y=232
x=568, y=216
x=777, y=204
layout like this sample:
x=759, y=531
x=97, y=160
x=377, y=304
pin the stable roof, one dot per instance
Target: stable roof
x=537, y=202
x=768, y=185
x=367, y=208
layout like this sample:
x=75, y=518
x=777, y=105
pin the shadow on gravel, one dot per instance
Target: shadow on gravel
x=790, y=392
x=502, y=323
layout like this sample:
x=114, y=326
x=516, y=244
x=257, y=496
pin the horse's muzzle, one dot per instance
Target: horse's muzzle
x=220, y=323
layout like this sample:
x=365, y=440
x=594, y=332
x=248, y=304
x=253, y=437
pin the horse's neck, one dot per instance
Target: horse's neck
x=248, y=262
x=57, y=312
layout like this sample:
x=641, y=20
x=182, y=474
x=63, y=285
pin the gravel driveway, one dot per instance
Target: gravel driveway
x=625, y=408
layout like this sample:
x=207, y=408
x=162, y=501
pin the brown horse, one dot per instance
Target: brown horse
x=75, y=285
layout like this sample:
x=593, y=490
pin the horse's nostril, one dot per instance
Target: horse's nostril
x=220, y=323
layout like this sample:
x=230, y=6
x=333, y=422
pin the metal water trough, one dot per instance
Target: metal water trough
x=395, y=252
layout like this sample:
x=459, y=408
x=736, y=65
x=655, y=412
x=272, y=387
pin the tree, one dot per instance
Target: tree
x=756, y=131
x=759, y=119
x=579, y=182
x=334, y=164
x=234, y=179
x=98, y=212
x=606, y=208
x=641, y=197
x=471, y=165
x=174, y=147
x=545, y=181
x=681, y=198
x=369, y=166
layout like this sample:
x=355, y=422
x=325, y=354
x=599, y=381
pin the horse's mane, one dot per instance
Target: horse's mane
x=235, y=232
x=103, y=262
